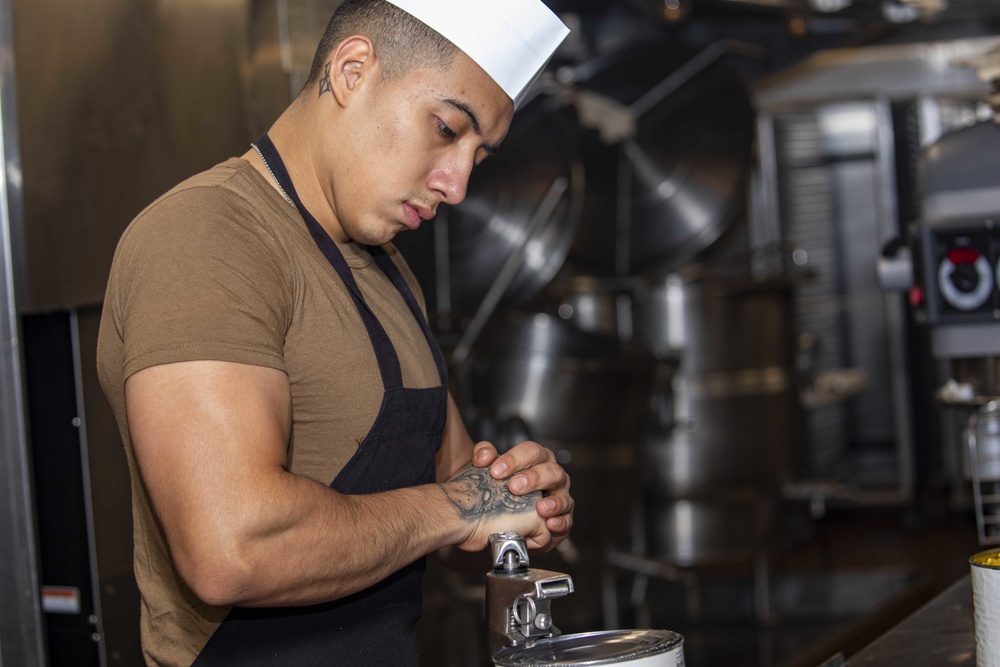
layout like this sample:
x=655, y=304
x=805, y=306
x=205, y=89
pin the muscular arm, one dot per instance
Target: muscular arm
x=211, y=438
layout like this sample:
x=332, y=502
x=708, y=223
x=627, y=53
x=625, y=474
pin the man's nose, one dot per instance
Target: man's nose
x=450, y=178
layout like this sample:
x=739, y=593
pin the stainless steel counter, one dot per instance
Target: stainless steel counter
x=941, y=632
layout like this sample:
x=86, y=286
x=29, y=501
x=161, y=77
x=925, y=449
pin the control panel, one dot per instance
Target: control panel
x=961, y=271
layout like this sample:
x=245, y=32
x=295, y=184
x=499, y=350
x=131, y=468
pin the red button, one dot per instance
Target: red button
x=916, y=296
x=963, y=255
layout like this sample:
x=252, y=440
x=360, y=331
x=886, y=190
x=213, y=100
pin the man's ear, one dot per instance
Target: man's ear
x=352, y=65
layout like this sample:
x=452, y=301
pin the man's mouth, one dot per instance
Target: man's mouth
x=415, y=214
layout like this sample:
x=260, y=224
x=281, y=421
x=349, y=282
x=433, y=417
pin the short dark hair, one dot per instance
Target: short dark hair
x=401, y=41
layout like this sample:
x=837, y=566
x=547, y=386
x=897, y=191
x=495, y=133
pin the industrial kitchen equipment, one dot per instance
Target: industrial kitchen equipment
x=949, y=262
x=721, y=449
x=495, y=221
x=840, y=135
x=957, y=294
x=668, y=167
x=521, y=626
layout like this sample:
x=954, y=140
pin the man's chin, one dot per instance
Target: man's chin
x=377, y=236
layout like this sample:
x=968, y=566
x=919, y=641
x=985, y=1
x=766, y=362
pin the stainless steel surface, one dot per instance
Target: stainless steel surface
x=688, y=163
x=539, y=220
x=21, y=629
x=658, y=317
x=503, y=195
x=117, y=106
x=829, y=187
x=831, y=212
x=972, y=383
x=899, y=71
x=957, y=243
x=799, y=106
x=655, y=96
x=975, y=340
x=897, y=346
x=614, y=647
x=958, y=178
x=591, y=306
x=983, y=436
x=942, y=632
x=895, y=273
x=711, y=530
x=968, y=202
x=565, y=384
x=509, y=552
x=519, y=600
x=959, y=239
x=765, y=193
x=599, y=305
x=715, y=466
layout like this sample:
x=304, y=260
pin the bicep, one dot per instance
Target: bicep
x=456, y=445
x=205, y=434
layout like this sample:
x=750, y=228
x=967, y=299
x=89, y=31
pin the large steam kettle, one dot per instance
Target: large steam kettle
x=522, y=632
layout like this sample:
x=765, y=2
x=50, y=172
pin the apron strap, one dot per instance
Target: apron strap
x=390, y=269
x=385, y=353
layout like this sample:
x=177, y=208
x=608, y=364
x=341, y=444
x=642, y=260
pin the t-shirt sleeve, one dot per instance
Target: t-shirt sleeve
x=198, y=277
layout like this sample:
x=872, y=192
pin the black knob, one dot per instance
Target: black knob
x=965, y=277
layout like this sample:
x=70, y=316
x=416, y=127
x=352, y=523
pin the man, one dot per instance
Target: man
x=294, y=451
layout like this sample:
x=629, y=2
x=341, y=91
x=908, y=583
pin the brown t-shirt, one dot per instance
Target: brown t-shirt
x=222, y=268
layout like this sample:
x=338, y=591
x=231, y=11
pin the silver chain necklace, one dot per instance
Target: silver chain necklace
x=276, y=181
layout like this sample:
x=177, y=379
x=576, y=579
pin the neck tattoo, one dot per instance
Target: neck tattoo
x=276, y=182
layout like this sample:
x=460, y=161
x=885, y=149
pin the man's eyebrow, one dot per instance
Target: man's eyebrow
x=467, y=110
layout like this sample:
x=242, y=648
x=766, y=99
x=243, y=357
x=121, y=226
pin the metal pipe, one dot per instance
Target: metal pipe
x=88, y=497
x=689, y=70
x=765, y=226
x=623, y=219
x=888, y=224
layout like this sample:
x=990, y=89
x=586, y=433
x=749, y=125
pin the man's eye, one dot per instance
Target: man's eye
x=445, y=131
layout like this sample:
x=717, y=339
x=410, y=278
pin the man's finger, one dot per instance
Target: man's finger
x=521, y=457
x=483, y=454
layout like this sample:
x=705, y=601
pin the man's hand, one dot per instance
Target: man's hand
x=488, y=506
x=528, y=468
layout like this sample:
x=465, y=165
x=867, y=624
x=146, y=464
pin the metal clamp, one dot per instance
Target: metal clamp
x=510, y=553
x=518, y=599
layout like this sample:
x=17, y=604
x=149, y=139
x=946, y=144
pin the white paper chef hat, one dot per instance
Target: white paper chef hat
x=511, y=39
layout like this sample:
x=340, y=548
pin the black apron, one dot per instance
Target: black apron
x=375, y=626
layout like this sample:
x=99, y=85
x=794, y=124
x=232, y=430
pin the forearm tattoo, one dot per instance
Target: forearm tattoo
x=474, y=493
x=324, y=83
